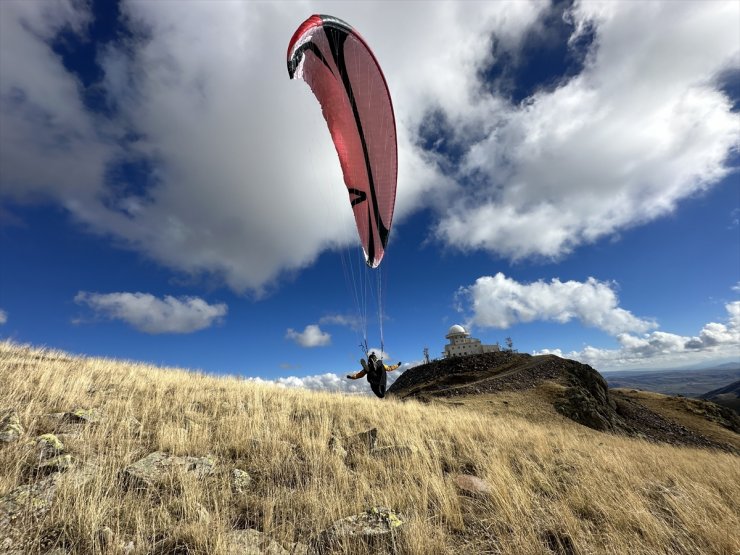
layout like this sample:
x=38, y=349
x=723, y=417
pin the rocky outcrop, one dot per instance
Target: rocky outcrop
x=156, y=469
x=586, y=399
x=29, y=502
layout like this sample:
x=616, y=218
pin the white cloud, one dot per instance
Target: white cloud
x=500, y=302
x=322, y=382
x=736, y=287
x=3, y=317
x=334, y=382
x=150, y=314
x=245, y=168
x=661, y=349
x=347, y=321
x=642, y=127
x=311, y=336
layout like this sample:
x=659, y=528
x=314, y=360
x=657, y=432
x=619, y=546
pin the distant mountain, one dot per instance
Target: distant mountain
x=572, y=389
x=689, y=383
x=728, y=396
x=728, y=366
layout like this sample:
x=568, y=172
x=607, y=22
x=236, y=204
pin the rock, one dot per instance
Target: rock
x=374, y=529
x=49, y=446
x=32, y=498
x=580, y=405
x=83, y=416
x=240, y=481
x=471, y=484
x=364, y=441
x=32, y=501
x=392, y=450
x=252, y=542
x=78, y=416
x=57, y=464
x=155, y=469
x=66, y=421
x=10, y=428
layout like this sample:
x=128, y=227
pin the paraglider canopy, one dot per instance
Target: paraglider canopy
x=345, y=77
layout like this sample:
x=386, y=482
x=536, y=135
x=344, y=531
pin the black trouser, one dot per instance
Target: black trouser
x=378, y=380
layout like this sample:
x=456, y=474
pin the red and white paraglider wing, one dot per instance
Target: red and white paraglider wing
x=347, y=81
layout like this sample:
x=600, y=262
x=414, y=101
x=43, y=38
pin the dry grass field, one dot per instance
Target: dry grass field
x=553, y=486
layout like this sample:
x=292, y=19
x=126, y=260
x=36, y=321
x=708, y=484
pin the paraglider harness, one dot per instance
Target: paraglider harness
x=376, y=376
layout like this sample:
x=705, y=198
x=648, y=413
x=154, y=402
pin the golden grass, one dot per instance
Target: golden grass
x=556, y=486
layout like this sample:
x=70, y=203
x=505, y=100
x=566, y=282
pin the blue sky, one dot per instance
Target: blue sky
x=567, y=178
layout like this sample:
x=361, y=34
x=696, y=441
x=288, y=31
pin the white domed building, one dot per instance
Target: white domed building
x=461, y=344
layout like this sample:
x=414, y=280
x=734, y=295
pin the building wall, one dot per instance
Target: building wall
x=463, y=346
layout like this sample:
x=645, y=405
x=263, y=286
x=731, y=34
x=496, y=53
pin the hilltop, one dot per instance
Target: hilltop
x=728, y=396
x=574, y=390
x=101, y=456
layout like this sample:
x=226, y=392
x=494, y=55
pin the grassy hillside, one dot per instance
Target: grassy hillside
x=548, y=484
x=728, y=396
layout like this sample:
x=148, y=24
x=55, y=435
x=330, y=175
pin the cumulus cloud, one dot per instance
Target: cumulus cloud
x=333, y=382
x=322, y=382
x=150, y=314
x=643, y=126
x=3, y=317
x=199, y=96
x=715, y=340
x=311, y=336
x=500, y=302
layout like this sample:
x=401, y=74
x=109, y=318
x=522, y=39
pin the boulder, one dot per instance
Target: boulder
x=374, y=529
x=34, y=498
x=83, y=416
x=10, y=428
x=156, y=469
x=580, y=404
x=59, y=463
x=252, y=542
x=33, y=501
x=240, y=481
x=364, y=441
x=49, y=446
x=471, y=484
